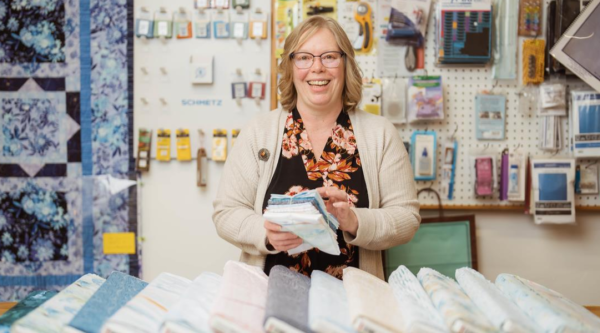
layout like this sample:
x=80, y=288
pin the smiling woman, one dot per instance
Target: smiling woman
x=320, y=140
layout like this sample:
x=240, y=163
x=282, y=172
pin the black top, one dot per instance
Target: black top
x=297, y=171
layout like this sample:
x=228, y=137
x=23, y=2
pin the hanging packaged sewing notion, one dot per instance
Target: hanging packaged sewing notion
x=184, y=147
x=219, y=145
x=517, y=168
x=485, y=175
x=425, y=98
x=220, y=21
x=163, y=26
x=394, y=100
x=585, y=123
x=490, y=113
x=163, y=145
x=183, y=24
x=201, y=163
x=363, y=15
x=533, y=61
x=238, y=86
x=449, y=149
x=257, y=86
x=371, y=97
x=258, y=24
x=423, y=157
x=202, y=24
x=234, y=135
x=144, y=25
x=239, y=25
x=201, y=69
x=144, y=147
x=530, y=18
x=553, y=186
x=506, y=55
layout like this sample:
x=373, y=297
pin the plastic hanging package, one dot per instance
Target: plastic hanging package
x=425, y=98
x=585, y=123
x=553, y=190
x=505, y=62
x=394, y=100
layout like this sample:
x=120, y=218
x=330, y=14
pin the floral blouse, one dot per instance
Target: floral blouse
x=298, y=170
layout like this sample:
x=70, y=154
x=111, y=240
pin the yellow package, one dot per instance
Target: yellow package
x=184, y=149
x=533, y=61
x=234, y=135
x=163, y=145
x=219, y=145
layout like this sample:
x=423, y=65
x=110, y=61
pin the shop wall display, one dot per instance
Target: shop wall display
x=66, y=110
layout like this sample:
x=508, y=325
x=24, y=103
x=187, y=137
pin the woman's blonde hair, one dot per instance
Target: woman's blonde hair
x=352, y=92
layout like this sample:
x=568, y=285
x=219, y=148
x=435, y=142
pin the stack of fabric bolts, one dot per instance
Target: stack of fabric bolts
x=246, y=300
x=305, y=215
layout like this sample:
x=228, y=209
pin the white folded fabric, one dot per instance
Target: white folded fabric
x=371, y=302
x=417, y=310
x=500, y=311
x=241, y=300
x=328, y=305
x=146, y=311
x=191, y=312
x=457, y=310
x=55, y=314
x=548, y=309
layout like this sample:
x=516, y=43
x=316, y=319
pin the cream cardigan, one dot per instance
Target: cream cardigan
x=391, y=219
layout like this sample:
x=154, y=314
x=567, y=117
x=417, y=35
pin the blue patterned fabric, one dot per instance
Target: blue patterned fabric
x=66, y=88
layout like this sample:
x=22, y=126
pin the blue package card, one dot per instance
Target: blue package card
x=553, y=186
x=490, y=112
x=144, y=28
x=585, y=123
x=589, y=119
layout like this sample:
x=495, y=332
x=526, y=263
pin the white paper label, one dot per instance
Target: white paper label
x=257, y=29
x=201, y=29
x=143, y=27
x=239, y=90
x=257, y=90
x=143, y=154
x=238, y=30
x=163, y=28
x=183, y=29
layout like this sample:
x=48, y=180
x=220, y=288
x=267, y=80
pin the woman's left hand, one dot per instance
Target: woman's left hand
x=340, y=208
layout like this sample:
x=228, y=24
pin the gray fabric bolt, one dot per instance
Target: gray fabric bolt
x=287, y=297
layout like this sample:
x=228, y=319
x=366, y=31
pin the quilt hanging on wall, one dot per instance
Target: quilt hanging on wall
x=66, y=124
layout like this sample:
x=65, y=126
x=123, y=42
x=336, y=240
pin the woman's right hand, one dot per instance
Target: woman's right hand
x=281, y=241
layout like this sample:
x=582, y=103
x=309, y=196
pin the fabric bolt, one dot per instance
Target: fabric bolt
x=241, y=300
x=328, y=305
x=191, y=313
x=145, y=312
x=548, y=309
x=457, y=310
x=287, y=297
x=499, y=310
x=417, y=310
x=118, y=289
x=392, y=217
x=370, y=298
x=55, y=314
x=30, y=303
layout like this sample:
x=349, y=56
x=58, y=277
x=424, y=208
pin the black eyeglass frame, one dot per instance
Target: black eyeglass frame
x=342, y=54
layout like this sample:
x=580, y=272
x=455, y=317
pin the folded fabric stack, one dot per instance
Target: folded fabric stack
x=548, y=309
x=191, y=313
x=55, y=314
x=498, y=309
x=287, y=301
x=417, y=310
x=306, y=216
x=371, y=301
x=241, y=300
x=458, y=311
x=245, y=300
x=328, y=305
x=147, y=310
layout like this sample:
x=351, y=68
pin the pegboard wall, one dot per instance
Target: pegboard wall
x=461, y=85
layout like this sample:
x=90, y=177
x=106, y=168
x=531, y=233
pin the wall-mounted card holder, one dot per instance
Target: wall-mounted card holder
x=163, y=26
x=144, y=24
x=220, y=21
x=144, y=147
x=183, y=25
x=219, y=145
x=201, y=69
x=184, y=148
x=163, y=145
x=423, y=156
x=202, y=24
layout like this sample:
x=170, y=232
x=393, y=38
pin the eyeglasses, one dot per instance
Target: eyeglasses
x=304, y=60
